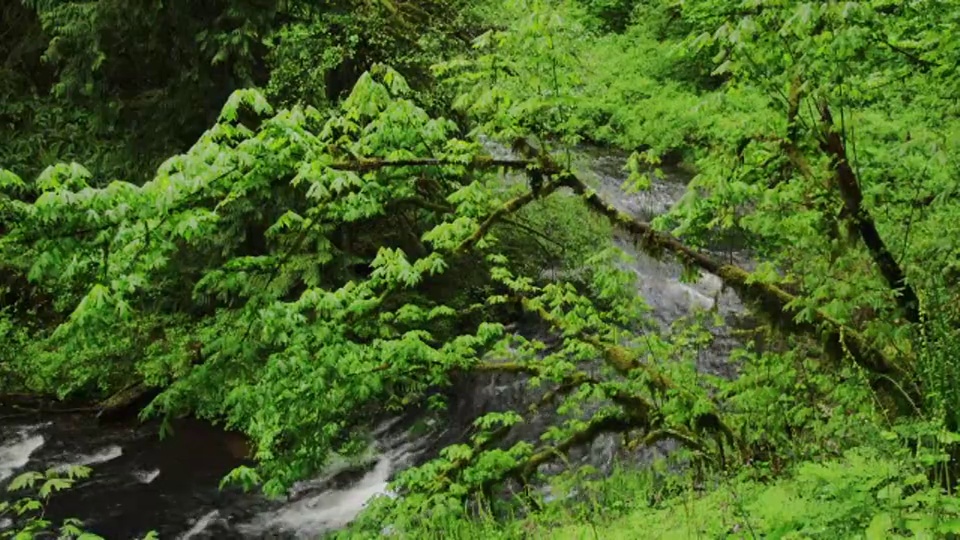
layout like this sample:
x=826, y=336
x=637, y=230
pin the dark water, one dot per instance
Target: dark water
x=139, y=479
x=141, y=482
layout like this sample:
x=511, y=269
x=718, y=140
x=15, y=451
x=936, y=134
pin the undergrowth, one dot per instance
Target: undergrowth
x=849, y=473
x=868, y=492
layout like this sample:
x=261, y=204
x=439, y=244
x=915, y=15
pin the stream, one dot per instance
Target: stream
x=142, y=483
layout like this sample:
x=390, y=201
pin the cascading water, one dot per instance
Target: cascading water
x=141, y=483
x=311, y=516
x=669, y=297
x=201, y=525
x=16, y=454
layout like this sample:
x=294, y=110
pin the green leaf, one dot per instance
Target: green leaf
x=53, y=484
x=24, y=481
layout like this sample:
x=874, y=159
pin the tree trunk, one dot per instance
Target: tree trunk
x=849, y=186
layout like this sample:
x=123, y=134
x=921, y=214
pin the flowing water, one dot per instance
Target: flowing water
x=143, y=483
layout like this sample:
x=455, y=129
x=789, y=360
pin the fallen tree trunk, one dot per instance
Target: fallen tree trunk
x=26, y=404
x=773, y=301
x=125, y=403
x=781, y=308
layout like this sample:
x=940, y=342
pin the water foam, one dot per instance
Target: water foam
x=313, y=515
x=201, y=524
x=103, y=455
x=327, y=511
x=146, y=477
x=16, y=455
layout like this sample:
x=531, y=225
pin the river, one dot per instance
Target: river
x=142, y=483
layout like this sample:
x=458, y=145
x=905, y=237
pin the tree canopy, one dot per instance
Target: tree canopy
x=345, y=240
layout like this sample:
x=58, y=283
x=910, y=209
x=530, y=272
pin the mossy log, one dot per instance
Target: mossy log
x=782, y=309
x=125, y=403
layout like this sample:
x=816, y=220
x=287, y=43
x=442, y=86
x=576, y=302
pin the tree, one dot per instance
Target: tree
x=322, y=247
x=118, y=84
x=298, y=273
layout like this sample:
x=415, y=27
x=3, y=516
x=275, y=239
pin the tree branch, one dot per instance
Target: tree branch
x=508, y=208
x=782, y=308
x=477, y=162
x=625, y=362
x=596, y=427
x=634, y=406
x=849, y=186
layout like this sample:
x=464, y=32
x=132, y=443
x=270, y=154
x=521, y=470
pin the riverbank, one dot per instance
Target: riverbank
x=871, y=491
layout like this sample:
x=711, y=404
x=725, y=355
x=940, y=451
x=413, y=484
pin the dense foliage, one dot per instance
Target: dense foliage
x=121, y=85
x=336, y=250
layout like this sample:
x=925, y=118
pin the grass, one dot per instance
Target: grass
x=628, y=504
x=862, y=494
x=712, y=515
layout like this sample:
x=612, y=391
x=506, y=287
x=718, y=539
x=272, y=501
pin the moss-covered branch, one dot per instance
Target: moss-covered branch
x=846, y=181
x=624, y=361
x=634, y=406
x=477, y=162
x=783, y=309
x=595, y=427
x=508, y=208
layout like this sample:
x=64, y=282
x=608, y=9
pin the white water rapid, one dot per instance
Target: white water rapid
x=15, y=454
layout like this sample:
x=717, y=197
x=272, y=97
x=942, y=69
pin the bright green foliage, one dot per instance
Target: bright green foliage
x=763, y=174
x=302, y=272
x=611, y=15
x=27, y=512
x=872, y=67
x=473, y=467
x=551, y=74
x=866, y=493
x=266, y=278
x=768, y=102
